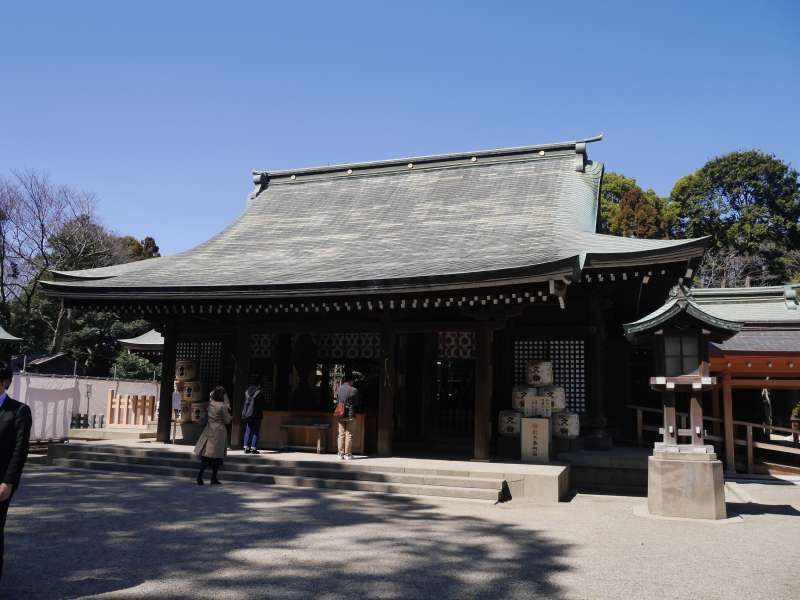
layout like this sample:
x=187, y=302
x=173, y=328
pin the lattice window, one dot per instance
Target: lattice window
x=346, y=345
x=261, y=345
x=208, y=356
x=456, y=344
x=569, y=366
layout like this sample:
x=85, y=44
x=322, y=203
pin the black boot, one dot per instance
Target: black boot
x=200, y=480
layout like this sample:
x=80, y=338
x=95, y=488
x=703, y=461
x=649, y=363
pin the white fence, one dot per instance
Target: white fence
x=53, y=399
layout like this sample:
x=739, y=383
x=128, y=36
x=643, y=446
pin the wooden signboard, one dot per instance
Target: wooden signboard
x=535, y=440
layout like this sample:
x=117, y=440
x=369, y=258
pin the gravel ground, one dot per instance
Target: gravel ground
x=74, y=534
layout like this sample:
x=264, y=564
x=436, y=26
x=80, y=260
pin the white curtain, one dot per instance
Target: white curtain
x=51, y=400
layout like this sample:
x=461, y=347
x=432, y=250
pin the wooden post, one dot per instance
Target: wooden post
x=696, y=418
x=240, y=382
x=727, y=401
x=639, y=427
x=715, y=410
x=386, y=392
x=428, y=383
x=483, y=394
x=750, y=459
x=670, y=422
x=110, y=407
x=167, y=382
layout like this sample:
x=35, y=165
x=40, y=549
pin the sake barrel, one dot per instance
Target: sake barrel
x=185, y=370
x=186, y=412
x=509, y=422
x=536, y=406
x=518, y=395
x=539, y=373
x=566, y=425
x=199, y=411
x=557, y=396
x=192, y=392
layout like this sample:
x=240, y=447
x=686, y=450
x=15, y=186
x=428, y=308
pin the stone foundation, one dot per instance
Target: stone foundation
x=682, y=484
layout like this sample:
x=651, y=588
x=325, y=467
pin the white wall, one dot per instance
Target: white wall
x=53, y=399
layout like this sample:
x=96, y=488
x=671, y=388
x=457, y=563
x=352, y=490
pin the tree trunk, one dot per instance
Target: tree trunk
x=62, y=326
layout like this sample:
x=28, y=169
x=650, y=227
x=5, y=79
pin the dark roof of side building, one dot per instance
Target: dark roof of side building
x=499, y=216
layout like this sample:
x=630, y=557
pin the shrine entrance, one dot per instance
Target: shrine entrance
x=434, y=411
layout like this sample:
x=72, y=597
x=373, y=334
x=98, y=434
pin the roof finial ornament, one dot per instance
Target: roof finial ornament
x=261, y=181
x=790, y=296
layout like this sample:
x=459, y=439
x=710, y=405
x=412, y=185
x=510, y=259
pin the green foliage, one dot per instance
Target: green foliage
x=92, y=340
x=133, y=366
x=628, y=210
x=796, y=411
x=747, y=201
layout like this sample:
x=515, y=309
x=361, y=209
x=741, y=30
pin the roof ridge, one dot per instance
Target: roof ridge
x=261, y=178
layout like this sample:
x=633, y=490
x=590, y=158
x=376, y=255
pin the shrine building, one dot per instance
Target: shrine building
x=434, y=280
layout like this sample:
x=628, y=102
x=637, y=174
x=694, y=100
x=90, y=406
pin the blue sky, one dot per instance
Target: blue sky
x=163, y=108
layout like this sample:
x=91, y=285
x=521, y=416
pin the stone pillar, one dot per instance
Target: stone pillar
x=483, y=394
x=167, y=382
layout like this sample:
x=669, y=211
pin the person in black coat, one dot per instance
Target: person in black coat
x=15, y=431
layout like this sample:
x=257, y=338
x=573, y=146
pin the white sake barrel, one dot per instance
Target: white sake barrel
x=186, y=412
x=557, y=396
x=566, y=425
x=185, y=370
x=536, y=406
x=192, y=392
x=539, y=373
x=518, y=395
x=509, y=421
x=199, y=411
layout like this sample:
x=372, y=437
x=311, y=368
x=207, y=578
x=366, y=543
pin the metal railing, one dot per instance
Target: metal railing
x=716, y=426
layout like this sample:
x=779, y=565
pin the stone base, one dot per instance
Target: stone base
x=685, y=485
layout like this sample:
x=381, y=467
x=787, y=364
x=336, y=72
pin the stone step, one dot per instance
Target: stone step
x=280, y=460
x=489, y=495
x=181, y=460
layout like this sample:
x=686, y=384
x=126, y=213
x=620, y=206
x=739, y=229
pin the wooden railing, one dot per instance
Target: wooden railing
x=716, y=423
x=129, y=410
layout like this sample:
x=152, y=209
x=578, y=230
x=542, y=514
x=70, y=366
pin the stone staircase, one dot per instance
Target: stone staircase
x=279, y=470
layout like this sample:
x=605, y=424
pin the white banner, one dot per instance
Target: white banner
x=51, y=400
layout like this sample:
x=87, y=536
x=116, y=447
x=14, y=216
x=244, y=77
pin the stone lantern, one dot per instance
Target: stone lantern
x=684, y=476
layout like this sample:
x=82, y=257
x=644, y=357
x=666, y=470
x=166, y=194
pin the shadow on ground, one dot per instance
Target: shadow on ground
x=80, y=533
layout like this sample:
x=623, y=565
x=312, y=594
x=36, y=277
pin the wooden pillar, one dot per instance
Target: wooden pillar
x=716, y=411
x=727, y=401
x=597, y=408
x=386, y=392
x=696, y=417
x=167, y=382
x=483, y=394
x=240, y=375
x=428, y=383
x=670, y=421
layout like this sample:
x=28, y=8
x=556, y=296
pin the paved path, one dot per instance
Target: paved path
x=74, y=534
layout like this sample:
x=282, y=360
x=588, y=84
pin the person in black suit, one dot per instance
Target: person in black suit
x=15, y=431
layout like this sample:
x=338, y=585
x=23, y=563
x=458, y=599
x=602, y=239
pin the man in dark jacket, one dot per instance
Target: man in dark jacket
x=15, y=429
x=347, y=394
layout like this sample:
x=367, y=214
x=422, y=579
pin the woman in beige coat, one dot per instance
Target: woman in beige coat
x=212, y=445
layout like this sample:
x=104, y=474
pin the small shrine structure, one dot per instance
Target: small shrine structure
x=684, y=477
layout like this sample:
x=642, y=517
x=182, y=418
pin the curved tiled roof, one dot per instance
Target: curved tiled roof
x=150, y=340
x=500, y=215
x=768, y=318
